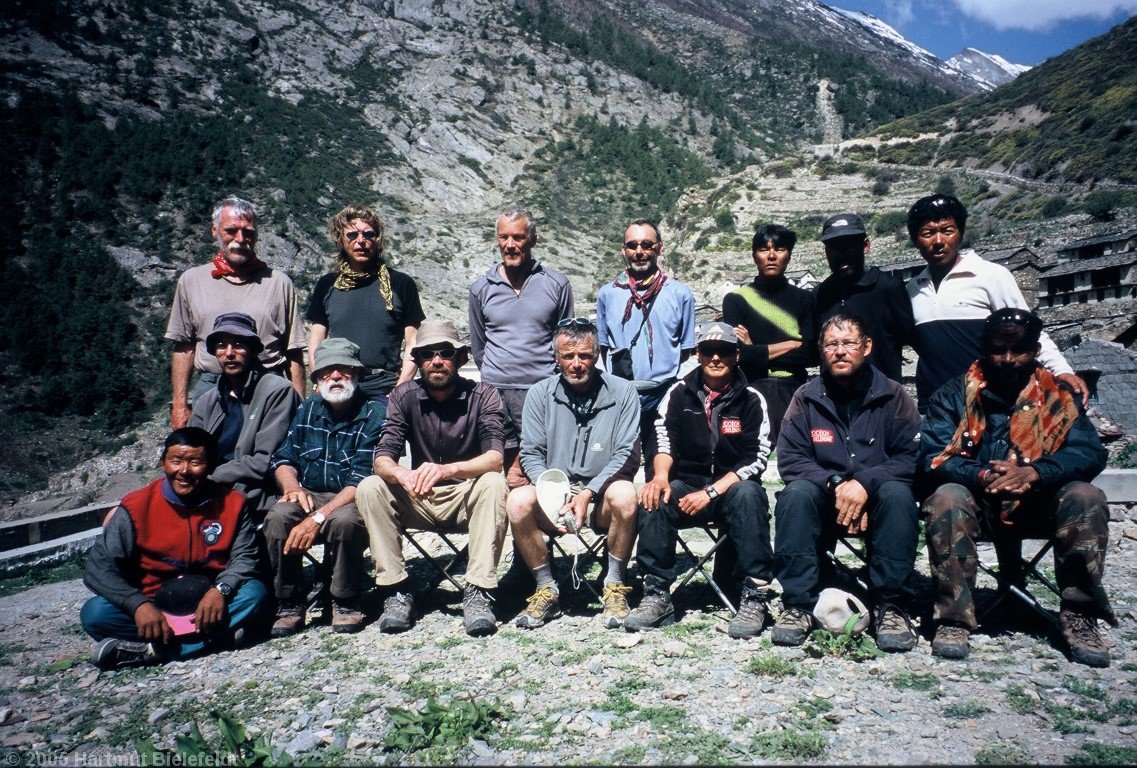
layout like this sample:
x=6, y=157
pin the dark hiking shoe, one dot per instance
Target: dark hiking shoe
x=951, y=641
x=1082, y=637
x=543, y=606
x=113, y=653
x=893, y=629
x=751, y=616
x=477, y=612
x=792, y=627
x=346, y=616
x=397, y=612
x=655, y=610
x=289, y=620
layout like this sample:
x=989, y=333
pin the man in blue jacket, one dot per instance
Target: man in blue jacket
x=847, y=453
x=713, y=436
x=1013, y=455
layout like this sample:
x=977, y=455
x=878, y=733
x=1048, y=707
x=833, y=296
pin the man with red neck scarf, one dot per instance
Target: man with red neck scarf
x=235, y=281
x=646, y=322
x=1013, y=456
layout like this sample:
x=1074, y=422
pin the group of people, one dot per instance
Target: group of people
x=254, y=473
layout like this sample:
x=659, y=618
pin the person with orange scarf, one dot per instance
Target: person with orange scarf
x=1013, y=456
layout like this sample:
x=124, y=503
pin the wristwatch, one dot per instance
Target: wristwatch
x=834, y=480
x=320, y=517
x=225, y=589
x=712, y=492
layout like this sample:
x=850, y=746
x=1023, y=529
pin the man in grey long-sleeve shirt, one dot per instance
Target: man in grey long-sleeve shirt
x=585, y=423
x=182, y=526
x=513, y=311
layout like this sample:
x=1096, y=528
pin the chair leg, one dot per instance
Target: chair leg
x=596, y=551
x=700, y=567
x=1015, y=584
x=443, y=569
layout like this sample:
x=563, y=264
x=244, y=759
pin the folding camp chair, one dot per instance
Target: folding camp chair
x=593, y=549
x=447, y=558
x=1013, y=571
x=701, y=561
x=854, y=575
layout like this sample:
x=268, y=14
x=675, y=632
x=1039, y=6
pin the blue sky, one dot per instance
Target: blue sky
x=1021, y=31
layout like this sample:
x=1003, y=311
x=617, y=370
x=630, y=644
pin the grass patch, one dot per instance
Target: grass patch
x=793, y=745
x=771, y=665
x=965, y=710
x=1085, y=690
x=71, y=569
x=1093, y=753
x=631, y=754
x=1001, y=753
x=1019, y=700
x=914, y=681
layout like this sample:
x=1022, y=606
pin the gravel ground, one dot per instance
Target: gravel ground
x=575, y=692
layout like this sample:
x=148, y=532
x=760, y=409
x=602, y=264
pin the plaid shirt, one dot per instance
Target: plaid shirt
x=330, y=455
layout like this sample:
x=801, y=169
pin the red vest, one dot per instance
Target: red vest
x=170, y=540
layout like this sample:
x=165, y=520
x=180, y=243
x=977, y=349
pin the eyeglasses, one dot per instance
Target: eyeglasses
x=366, y=234
x=577, y=322
x=645, y=245
x=426, y=355
x=832, y=346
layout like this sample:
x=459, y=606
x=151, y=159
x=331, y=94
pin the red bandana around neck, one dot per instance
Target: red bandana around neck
x=222, y=267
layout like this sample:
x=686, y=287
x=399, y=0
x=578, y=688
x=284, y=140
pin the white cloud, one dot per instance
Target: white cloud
x=900, y=12
x=1038, y=15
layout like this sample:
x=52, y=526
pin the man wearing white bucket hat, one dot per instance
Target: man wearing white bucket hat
x=847, y=453
x=585, y=423
x=454, y=428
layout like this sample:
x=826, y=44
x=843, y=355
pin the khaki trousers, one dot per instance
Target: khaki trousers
x=476, y=506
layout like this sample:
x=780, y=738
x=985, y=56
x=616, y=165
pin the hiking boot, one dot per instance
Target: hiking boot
x=477, y=612
x=752, y=612
x=346, y=616
x=615, y=600
x=543, y=606
x=792, y=627
x=893, y=629
x=1082, y=637
x=950, y=641
x=398, y=610
x=655, y=610
x=289, y=619
x=113, y=653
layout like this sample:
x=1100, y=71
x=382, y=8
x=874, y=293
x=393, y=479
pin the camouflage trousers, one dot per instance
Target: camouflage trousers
x=1076, y=518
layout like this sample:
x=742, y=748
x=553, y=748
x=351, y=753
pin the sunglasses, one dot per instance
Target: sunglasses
x=723, y=351
x=578, y=322
x=645, y=245
x=366, y=234
x=425, y=355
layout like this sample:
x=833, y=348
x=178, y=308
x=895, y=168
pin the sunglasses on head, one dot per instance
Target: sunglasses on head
x=578, y=322
x=366, y=234
x=423, y=355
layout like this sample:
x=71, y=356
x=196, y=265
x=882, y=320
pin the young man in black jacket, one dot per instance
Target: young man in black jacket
x=1013, y=455
x=713, y=436
x=847, y=454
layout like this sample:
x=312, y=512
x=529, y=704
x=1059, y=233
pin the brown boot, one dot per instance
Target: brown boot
x=1082, y=637
x=289, y=619
x=951, y=641
x=346, y=616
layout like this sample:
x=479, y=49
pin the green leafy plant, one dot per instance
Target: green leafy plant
x=790, y=744
x=844, y=645
x=1093, y=753
x=771, y=665
x=965, y=710
x=439, y=725
x=236, y=748
x=915, y=681
x=1001, y=753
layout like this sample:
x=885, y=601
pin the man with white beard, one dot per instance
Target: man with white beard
x=235, y=281
x=327, y=454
